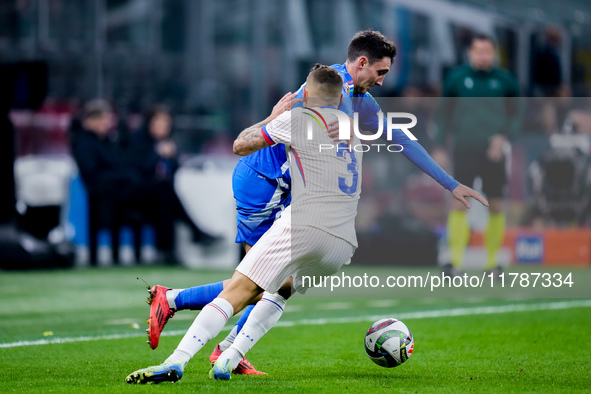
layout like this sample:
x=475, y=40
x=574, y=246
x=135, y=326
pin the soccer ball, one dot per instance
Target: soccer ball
x=389, y=343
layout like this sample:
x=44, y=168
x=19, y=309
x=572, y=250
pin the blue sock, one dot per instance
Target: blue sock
x=242, y=320
x=195, y=298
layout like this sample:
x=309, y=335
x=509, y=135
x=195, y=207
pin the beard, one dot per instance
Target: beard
x=358, y=91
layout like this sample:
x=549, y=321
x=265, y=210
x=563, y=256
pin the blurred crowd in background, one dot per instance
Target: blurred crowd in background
x=219, y=65
x=201, y=71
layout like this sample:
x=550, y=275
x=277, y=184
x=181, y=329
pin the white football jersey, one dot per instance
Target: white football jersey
x=325, y=175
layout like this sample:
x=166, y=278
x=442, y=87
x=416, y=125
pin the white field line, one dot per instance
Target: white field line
x=383, y=303
x=331, y=306
x=483, y=310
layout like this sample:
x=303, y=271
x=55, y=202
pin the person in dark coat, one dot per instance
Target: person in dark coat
x=119, y=185
x=154, y=153
x=155, y=158
x=547, y=64
x=106, y=175
x=109, y=180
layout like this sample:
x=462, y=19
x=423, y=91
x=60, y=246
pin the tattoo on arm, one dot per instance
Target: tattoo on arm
x=250, y=140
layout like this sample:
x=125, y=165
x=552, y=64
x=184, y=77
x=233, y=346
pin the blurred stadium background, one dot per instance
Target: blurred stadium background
x=221, y=65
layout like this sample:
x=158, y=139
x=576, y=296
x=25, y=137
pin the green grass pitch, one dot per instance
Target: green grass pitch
x=485, y=346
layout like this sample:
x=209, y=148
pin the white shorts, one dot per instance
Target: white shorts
x=298, y=251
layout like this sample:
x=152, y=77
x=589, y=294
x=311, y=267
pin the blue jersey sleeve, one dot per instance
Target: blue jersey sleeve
x=367, y=108
x=419, y=156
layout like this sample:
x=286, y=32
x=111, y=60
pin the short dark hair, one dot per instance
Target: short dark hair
x=158, y=109
x=96, y=108
x=372, y=44
x=328, y=81
x=482, y=37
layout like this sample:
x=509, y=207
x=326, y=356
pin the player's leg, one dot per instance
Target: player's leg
x=493, y=185
x=164, y=302
x=258, y=201
x=241, y=291
x=495, y=232
x=270, y=268
x=162, y=310
x=307, y=245
x=264, y=316
x=223, y=345
x=193, y=298
x=227, y=342
x=244, y=366
x=458, y=228
x=458, y=233
x=208, y=324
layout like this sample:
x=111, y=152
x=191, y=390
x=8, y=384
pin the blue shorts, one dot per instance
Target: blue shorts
x=258, y=201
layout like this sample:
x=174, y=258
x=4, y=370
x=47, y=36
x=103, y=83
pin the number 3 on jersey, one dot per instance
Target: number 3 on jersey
x=343, y=151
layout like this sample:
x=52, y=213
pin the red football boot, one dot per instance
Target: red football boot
x=215, y=354
x=160, y=312
x=243, y=368
x=246, y=368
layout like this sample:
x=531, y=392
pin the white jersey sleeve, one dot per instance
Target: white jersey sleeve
x=278, y=131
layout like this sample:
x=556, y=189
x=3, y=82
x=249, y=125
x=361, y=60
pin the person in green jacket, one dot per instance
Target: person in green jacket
x=481, y=112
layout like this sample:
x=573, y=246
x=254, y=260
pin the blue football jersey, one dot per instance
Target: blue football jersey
x=270, y=161
x=367, y=108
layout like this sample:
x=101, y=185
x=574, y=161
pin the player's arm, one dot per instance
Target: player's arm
x=411, y=149
x=419, y=156
x=257, y=137
x=251, y=140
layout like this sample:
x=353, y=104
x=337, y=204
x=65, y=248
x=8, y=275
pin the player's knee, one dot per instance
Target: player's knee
x=286, y=289
x=240, y=292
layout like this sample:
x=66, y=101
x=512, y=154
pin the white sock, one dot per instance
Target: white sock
x=229, y=340
x=262, y=318
x=170, y=296
x=206, y=326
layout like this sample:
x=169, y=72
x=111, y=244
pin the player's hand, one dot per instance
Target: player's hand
x=333, y=132
x=285, y=104
x=461, y=193
x=495, y=148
